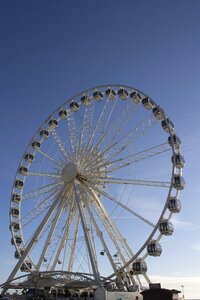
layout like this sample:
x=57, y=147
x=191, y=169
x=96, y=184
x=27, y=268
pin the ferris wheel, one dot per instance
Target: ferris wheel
x=97, y=186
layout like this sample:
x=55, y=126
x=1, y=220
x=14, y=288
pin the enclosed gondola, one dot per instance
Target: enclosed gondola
x=74, y=106
x=14, y=212
x=97, y=95
x=44, y=133
x=139, y=267
x=53, y=123
x=85, y=100
x=167, y=125
x=174, y=205
x=16, y=198
x=179, y=160
x=148, y=103
x=29, y=157
x=123, y=94
x=158, y=113
x=110, y=93
x=179, y=182
x=19, y=184
x=154, y=248
x=23, y=170
x=135, y=97
x=63, y=114
x=166, y=227
x=36, y=145
x=176, y=140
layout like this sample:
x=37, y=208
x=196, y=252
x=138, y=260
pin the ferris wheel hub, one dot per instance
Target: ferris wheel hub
x=69, y=173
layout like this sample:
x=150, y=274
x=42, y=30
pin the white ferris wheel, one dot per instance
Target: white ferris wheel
x=97, y=186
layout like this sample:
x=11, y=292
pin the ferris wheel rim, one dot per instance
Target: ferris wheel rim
x=173, y=164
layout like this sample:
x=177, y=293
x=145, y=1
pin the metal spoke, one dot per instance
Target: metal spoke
x=50, y=175
x=60, y=145
x=152, y=183
x=123, y=206
x=40, y=191
x=49, y=157
x=38, y=210
x=72, y=130
x=134, y=158
x=73, y=247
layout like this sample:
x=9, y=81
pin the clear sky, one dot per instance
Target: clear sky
x=51, y=50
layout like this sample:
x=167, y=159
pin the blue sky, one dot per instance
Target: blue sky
x=51, y=50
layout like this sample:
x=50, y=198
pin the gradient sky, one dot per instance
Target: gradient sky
x=51, y=50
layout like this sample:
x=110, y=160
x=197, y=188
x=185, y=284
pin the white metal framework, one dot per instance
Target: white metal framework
x=97, y=186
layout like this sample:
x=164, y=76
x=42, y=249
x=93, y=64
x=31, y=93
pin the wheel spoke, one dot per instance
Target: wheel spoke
x=43, y=190
x=49, y=157
x=60, y=145
x=134, y=158
x=151, y=183
x=123, y=206
x=50, y=175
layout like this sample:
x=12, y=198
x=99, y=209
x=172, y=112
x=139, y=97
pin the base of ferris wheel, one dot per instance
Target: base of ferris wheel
x=67, y=285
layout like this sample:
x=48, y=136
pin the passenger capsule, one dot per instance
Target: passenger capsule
x=102, y=252
x=167, y=125
x=179, y=182
x=14, y=212
x=123, y=94
x=53, y=123
x=15, y=226
x=179, y=161
x=139, y=267
x=29, y=157
x=98, y=96
x=16, y=198
x=85, y=100
x=44, y=259
x=44, y=133
x=158, y=112
x=135, y=97
x=110, y=93
x=63, y=114
x=19, y=184
x=18, y=254
x=154, y=248
x=36, y=145
x=148, y=103
x=176, y=139
x=174, y=205
x=74, y=106
x=59, y=262
x=23, y=170
x=17, y=240
x=25, y=267
x=166, y=227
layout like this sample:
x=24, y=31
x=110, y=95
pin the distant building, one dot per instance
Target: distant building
x=157, y=293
